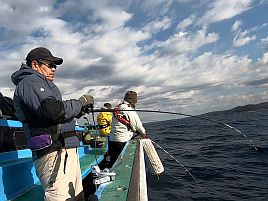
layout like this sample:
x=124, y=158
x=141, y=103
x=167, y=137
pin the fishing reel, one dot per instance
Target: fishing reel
x=87, y=109
x=102, y=176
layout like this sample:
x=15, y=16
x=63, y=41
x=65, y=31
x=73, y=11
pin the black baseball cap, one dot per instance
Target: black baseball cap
x=42, y=53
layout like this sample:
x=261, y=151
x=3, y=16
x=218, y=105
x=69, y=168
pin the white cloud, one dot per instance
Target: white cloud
x=243, y=38
x=186, y=22
x=264, y=43
x=112, y=18
x=221, y=10
x=184, y=42
x=264, y=58
x=156, y=7
x=158, y=25
x=183, y=1
x=237, y=25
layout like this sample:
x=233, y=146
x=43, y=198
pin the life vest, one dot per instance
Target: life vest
x=104, y=123
x=120, y=117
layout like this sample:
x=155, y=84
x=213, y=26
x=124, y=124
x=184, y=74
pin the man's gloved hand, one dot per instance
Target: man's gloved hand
x=86, y=100
x=87, y=103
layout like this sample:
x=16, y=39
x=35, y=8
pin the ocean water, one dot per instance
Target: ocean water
x=223, y=162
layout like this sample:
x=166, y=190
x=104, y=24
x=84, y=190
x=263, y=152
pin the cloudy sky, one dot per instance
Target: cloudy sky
x=185, y=56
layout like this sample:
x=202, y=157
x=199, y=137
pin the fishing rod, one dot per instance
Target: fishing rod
x=182, y=114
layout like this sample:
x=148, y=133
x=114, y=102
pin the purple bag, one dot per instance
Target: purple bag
x=39, y=142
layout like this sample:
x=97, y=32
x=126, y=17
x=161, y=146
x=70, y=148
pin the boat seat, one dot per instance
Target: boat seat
x=19, y=180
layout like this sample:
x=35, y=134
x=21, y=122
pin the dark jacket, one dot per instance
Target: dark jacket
x=40, y=108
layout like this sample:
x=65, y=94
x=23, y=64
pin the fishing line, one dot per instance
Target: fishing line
x=177, y=162
x=187, y=115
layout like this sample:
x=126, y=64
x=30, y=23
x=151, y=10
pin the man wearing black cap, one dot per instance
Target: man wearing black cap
x=48, y=122
x=127, y=123
x=44, y=57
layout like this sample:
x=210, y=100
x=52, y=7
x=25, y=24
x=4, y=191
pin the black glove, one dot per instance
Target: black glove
x=86, y=100
x=87, y=103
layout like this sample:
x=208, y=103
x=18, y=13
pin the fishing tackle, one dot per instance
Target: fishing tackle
x=187, y=115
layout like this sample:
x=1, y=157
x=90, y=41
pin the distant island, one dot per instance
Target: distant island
x=250, y=107
x=245, y=108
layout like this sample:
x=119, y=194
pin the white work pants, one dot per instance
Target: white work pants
x=60, y=177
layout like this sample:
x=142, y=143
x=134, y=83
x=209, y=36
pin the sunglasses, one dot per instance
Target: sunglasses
x=49, y=65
